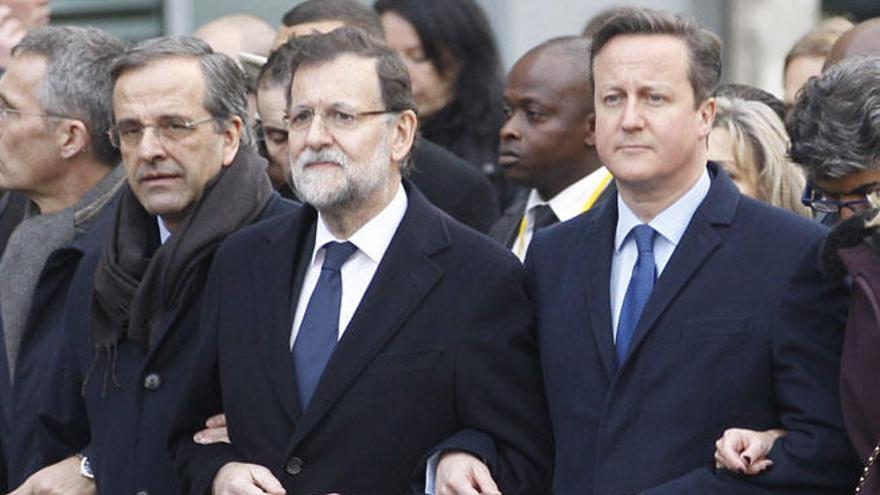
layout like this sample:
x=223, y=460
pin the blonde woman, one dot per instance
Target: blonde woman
x=750, y=142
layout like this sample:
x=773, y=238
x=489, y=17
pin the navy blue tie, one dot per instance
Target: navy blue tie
x=639, y=290
x=319, y=329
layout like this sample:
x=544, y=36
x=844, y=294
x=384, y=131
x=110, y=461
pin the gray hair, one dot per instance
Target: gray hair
x=835, y=124
x=78, y=83
x=225, y=82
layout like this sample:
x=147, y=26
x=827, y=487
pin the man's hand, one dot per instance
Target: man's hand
x=215, y=431
x=236, y=478
x=12, y=30
x=61, y=478
x=460, y=473
x=745, y=451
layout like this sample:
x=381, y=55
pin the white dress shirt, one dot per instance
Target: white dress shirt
x=371, y=241
x=670, y=225
x=569, y=203
x=164, y=233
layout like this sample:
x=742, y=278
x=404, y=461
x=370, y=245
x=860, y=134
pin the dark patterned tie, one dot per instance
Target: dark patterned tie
x=543, y=216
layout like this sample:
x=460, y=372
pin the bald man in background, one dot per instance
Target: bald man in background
x=862, y=40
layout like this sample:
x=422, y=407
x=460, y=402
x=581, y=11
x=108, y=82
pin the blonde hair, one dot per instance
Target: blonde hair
x=818, y=42
x=760, y=146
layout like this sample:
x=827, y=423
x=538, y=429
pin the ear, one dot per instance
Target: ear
x=706, y=116
x=231, y=139
x=590, y=134
x=403, y=135
x=72, y=137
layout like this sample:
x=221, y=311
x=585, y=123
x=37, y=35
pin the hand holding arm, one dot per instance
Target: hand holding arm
x=460, y=473
x=745, y=451
x=237, y=478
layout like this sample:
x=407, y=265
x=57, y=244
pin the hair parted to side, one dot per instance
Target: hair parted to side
x=394, y=81
x=760, y=147
x=704, y=47
x=835, y=124
x=78, y=83
x=349, y=12
x=225, y=82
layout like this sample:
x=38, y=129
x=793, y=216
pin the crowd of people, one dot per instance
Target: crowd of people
x=348, y=256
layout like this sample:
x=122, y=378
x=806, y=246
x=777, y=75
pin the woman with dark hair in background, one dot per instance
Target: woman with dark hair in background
x=453, y=61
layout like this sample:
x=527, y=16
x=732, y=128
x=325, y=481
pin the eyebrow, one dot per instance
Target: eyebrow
x=860, y=191
x=863, y=189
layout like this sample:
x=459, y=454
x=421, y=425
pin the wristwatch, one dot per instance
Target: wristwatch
x=85, y=467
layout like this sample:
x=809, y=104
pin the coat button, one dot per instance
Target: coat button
x=294, y=466
x=152, y=381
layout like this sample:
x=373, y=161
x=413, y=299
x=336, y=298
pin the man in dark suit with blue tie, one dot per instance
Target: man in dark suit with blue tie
x=367, y=343
x=682, y=308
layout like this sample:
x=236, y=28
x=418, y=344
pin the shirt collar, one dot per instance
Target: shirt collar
x=671, y=222
x=164, y=233
x=374, y=236
x=570, y=202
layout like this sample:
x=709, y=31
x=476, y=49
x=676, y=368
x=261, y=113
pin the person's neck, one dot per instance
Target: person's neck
x=565, y=179
x=649, y=200
x=82, y=175
x=343, y=221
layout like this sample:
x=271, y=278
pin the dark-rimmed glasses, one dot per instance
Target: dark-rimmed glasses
x=169, y=129
x=300, y=118
x=821, y=203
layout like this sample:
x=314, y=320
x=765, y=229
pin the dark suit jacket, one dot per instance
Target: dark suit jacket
x=122, y=415
x=741, y=330
x=440, y=343
x=506, y=228
x=454, y=186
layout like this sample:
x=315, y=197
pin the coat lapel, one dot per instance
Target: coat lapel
x=406, y=275
x=699, y=241
x=275, y=282
x=598, y=244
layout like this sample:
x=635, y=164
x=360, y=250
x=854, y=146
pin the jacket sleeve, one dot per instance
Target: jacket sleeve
x=815, y=456
x=499, y=391
x=63, y=427
x=197, y=465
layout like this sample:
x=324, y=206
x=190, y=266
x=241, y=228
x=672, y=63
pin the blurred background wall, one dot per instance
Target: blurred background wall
x=757, y=33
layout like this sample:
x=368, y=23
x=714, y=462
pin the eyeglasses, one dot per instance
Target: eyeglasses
x=300, y=119
x=169, y=129
x=6, y=111
x=823, y=204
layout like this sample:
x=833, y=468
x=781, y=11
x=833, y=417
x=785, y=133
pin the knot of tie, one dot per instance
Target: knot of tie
x=336, y=253
x=543, y=216
x=644, y=239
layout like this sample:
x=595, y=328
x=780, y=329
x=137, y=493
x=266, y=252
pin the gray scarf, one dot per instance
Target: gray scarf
x=29, y=248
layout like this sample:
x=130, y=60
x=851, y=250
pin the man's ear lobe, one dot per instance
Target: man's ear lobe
x=73, y=138
x=590, y=135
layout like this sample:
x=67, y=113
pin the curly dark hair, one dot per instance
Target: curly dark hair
x=835, y=124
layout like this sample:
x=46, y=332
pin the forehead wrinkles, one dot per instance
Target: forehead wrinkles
x=167, y=86
x=646, y=59
x=346, y=79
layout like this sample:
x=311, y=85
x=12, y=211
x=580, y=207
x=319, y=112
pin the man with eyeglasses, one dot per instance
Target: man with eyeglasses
x=193, y=179
x=353, y=339
x=54, y=113
x=449, y=182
